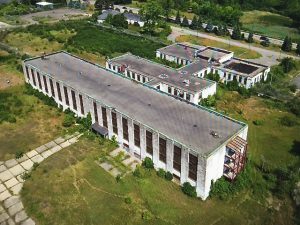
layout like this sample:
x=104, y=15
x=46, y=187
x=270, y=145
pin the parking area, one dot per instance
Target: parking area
x=56, y=14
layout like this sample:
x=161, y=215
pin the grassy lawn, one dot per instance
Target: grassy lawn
x=269, y=24
x=36, y=123
x=271, y=140
x=239, y=51
x=83, y=193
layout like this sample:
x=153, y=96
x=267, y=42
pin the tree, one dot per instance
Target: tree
x=103, y=4
x=166, y=6
x=236, y=33
x=185, y=22
x=177, y=19
x=298, y=48
x=194, y=24
x=119, y=20
x=199, y=23
x=150, y=12
x=287, y=64
x=287, y=44
x=250, y=38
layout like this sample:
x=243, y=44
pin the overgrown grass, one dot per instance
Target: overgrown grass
x=36, y=123
x=270, y=24
x=239, y=51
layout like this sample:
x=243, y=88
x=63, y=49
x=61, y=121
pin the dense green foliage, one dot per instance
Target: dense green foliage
x=287, y=44
x=148, y=163
x=189, y=190
x=91, y=38
x=118, y=20
x=14, y=8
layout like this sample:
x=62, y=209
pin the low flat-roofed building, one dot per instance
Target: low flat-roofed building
x=189, y=141
x=218, y=60
x=245, y=72
x=179, y=83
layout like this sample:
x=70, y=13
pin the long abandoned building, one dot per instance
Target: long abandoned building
x=195, y=144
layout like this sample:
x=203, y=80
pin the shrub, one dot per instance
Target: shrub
x=148, y=163
x=128, y=200
x=258, y=122
x=146, y=215
x=138, y=172
x=288, y=121
x=161, y=173
x=26, y=176
x=189, y=190
x=35, y=165
x=11, y=119
x=169, y=176
x=19, y=154
x=118, y=178
x=68, y=120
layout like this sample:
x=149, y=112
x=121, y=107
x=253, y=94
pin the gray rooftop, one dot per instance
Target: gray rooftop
x=214, y=53
x=178, y=120
x=181, y=50
x=242, y=67
x=174, y=77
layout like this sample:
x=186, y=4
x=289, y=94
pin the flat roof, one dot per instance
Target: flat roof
x=214, y=53
x=242, y=67
x=170, y=76
x=185, y=123
x=181, y=50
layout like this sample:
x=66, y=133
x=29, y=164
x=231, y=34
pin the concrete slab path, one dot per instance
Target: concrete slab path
x=11, y=181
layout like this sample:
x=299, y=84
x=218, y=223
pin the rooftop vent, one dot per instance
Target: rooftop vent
x=197, y=83
x=43, y=57
x=183, y=72
x=108, y=85
x=187, y=82
x=214, y=134
x=195, y=125
x=163, y=76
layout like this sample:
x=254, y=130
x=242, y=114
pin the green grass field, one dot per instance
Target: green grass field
x=83, y=193
x=269, y=24
x=36, y=124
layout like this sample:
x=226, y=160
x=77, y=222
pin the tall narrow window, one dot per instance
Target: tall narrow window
x=177, y=158
x=27, y=73
x=114, y=122
x=39, y=80
x=162, y=150
x=74, y=100
x=66, y=96
x=58, y=91
x=149, y=144
x=104, y=117
x=144, y=79
x=95, y=112
x=81, y=104
x=45, y=84
x=33, y=77
x=137, y=140
x=125, y=128
x=193, y=164
x=52, y=88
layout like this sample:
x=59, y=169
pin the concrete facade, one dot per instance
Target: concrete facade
x=209, y=166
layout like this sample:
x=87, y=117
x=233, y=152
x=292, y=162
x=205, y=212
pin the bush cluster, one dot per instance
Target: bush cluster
x=163, y=174
x=189, y=190
x=148, y=163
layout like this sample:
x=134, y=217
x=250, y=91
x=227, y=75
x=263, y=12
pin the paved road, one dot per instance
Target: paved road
x=255, y=36
x=268, y=57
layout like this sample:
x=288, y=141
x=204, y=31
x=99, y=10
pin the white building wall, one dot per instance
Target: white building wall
x=209, y=169
x=211, y=90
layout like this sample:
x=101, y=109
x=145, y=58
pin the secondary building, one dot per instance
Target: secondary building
x=195, y=144
x=218, y=61
x=179, y=83
x=131, y=18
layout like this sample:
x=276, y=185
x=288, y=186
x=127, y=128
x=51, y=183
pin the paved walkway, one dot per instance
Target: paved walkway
x=128, y=160
x=11, y=179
